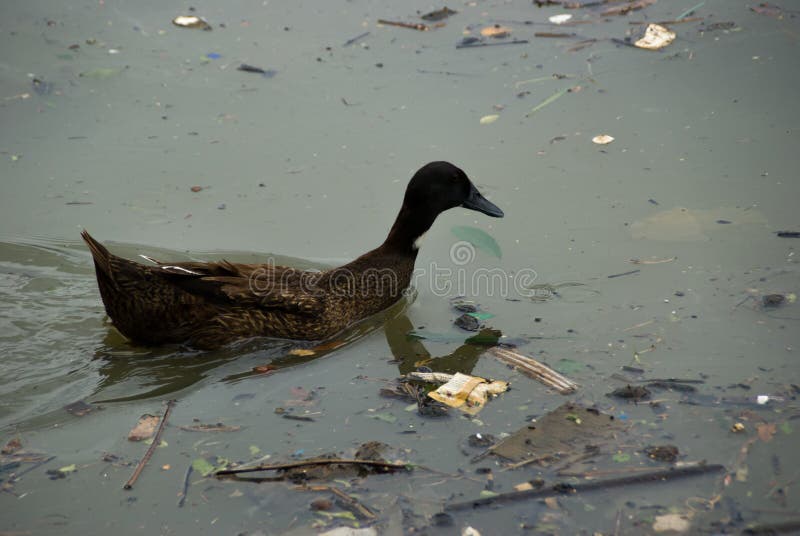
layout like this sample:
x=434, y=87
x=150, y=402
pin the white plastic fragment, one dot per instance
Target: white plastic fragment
x=603, y=139
x=467, y=393
x=560, y=19
x=191, y=21
x=655, y=37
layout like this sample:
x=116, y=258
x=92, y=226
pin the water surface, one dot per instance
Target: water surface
x=309, y=167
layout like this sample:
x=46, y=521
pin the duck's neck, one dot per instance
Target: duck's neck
x=405, y=232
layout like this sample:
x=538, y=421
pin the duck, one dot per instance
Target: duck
x=206, y=305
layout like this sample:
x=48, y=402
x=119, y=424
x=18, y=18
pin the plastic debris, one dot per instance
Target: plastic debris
x=557, y=434
x=560, y=19
x=145, y=428
x=489, y=119
x=655, y=37
x=191, y=21
x=439, y=14
x=603, y=139
x=464, y=392
x=496, y=31
x=266, y=73
x=671, y=523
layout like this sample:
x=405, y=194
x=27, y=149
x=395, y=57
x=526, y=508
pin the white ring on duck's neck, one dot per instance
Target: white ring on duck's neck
x=418, y=241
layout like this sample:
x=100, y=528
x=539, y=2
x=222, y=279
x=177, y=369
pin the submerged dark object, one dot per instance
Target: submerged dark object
x=41, y=87
x=439, y=14
x=268, y=73
x=210, y=304
x=773, y=300
x=468, y=322
x=634, y=392
x=662, y=453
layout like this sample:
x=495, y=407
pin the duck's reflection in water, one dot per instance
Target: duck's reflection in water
x=410, y=352
x=135, y=373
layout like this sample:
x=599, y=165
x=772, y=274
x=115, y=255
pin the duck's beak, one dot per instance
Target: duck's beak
x=476, y=201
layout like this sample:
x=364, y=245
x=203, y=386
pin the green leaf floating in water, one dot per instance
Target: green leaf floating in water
x=202, y=466
x=101, y=73
x=568, y=366
x=478, y=238
x=481, y=315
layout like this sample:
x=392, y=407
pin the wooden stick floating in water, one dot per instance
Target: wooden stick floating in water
x=532, y=368
x=355, y=39
x=312, y=462
x=156, y=442
x=409, y=25
x=500, y=43
x=564, y=488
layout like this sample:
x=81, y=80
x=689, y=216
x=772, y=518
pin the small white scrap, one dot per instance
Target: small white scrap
x=762, y=399
x=191, y=21
x=487, y=119
x=672, y=523
x=560, y=19
x=655, y=37
x=603, y=139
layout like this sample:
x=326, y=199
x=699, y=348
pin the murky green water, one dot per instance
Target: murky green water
x=311, y=164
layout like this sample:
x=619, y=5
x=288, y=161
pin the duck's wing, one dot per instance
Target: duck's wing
x=266, y=286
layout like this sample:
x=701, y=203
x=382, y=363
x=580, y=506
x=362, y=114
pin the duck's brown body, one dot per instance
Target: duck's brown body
x=210, y=304
x=207, y=305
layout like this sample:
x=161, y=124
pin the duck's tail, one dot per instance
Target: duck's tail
x=100, y=254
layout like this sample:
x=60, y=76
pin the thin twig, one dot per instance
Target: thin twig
x=185, y=489
x=631, y=272
x=156, y=442
x=410, y=26
x=538, y=459
x=595, y=474
x=355, y=39
x=16, y=476
x=499, y=43
x=564, y=488
x=361, y=509
x=667, y=22
x=307, y=463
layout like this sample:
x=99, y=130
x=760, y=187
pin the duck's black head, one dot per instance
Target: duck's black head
x=440, y=186
x=436, y=187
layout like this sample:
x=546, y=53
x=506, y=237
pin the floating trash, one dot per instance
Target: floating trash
x=496, y=31
x=488, y=119
x=266, y=73
x=439, y=14
x=560, y=19
x=468, y=393
x=603, y=139
x=191, y=21
x=655, y=37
